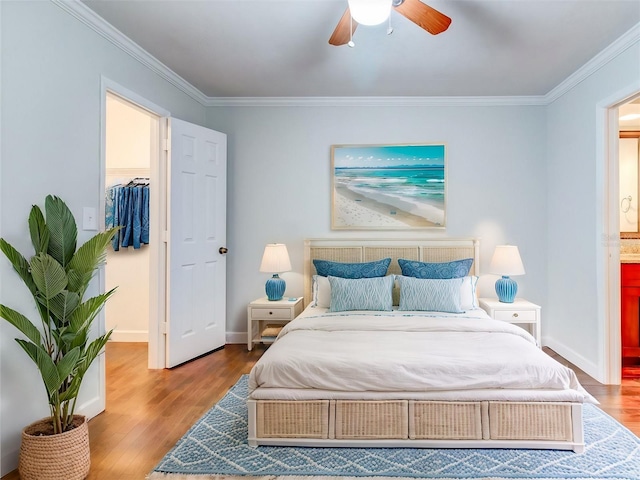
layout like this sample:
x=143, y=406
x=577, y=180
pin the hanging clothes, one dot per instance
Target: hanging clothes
x=127, y=206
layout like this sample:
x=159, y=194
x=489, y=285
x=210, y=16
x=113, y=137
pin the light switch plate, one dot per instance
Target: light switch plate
x=89, y=221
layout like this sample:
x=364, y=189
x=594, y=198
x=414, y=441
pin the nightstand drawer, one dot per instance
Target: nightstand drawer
x=271, y=313
x=515, y=316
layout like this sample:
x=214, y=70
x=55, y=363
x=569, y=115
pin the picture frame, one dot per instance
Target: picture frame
x=388, y=187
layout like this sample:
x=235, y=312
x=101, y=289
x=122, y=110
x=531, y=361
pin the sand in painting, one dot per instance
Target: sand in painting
x=352, y=209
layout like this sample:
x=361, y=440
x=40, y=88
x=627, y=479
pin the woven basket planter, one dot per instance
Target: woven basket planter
x=64, y=456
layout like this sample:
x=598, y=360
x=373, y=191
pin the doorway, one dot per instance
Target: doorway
x=609, y=249
x=154, y=167
x=629, y=160
x=131, y=133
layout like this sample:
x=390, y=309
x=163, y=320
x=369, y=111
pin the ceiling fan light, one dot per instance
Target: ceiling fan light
x=370, y=12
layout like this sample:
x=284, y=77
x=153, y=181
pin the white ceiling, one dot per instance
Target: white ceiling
x=279, y=48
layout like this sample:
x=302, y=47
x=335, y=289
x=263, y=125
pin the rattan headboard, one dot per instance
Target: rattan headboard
x=358, y=250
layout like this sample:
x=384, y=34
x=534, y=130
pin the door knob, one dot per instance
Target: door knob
x=223, y=250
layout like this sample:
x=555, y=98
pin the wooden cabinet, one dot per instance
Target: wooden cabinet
x=630, y=313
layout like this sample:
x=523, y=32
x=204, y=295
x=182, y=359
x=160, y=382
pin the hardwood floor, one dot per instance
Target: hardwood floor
x=149, y=410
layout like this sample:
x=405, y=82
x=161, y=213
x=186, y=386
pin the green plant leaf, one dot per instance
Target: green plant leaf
x=22, y=323
x=48, y=274
x=90, y=354
x=69, y=363
x=78, y=282
x=48, y=370
x=86, y=312
x=89, y=257
x=92, y=351
x=22, y=267
x=63, y=305
x=63, y=231
x=38, y=230
x=79, y=339
x=57, y=334
x=20, y=264
x=71, y=392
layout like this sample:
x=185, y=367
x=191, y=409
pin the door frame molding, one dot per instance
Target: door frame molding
x=608, y=246
x=157, y=221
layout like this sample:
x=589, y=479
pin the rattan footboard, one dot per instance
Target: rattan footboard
x=416, y=423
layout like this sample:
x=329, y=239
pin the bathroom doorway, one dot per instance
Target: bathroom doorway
x=629, y=162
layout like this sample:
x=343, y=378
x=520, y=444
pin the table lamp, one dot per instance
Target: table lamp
x=275, y=260
x=506, y=261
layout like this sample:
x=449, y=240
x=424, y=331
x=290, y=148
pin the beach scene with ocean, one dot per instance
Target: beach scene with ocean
x=394, y=186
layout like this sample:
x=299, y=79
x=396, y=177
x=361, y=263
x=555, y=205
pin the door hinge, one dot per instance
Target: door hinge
x=163, y=328
x=165, y=236
x=166, y=144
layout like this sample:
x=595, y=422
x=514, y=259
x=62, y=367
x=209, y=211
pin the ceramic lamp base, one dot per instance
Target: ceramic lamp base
x=506, y=288
x=275, y=288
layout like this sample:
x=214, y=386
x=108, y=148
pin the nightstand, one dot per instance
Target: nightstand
x=263, y=312
x=521, y=312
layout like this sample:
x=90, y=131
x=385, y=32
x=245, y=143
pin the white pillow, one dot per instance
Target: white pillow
x=468, y=296
x=321, y=292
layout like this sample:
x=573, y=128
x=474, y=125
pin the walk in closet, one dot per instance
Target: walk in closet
x=129, y=134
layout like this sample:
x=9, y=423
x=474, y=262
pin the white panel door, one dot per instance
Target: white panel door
x=196, y=280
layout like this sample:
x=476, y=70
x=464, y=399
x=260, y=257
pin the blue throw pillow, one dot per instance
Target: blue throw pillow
x=433, y=295
x=325, y=268
x=361, y=293
x=453, y=269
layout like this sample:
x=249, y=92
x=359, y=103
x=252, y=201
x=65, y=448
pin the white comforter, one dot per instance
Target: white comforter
x=407, y=352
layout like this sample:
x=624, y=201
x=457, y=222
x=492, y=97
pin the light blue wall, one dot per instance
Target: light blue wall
x=279, y=184
x=51, y=71
x=574, y=315
x=524, y=175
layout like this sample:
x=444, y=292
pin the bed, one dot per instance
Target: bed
x=396, y=377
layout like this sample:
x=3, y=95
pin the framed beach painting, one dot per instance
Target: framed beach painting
x=388, y=187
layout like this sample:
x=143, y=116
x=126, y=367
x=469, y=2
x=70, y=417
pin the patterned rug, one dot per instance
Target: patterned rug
x=216, y=447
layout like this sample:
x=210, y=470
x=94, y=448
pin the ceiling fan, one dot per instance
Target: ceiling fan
x=422, y=15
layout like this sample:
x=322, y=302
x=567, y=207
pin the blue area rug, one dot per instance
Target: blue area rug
x=216, y=447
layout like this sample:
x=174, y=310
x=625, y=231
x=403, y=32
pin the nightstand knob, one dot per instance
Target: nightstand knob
x=515, y=315
x=270, y=313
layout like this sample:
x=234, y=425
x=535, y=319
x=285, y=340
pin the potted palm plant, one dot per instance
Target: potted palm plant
x=57, y=447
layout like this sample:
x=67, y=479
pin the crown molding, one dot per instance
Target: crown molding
x=373, y=101
x=87, y=16
x=91, y=19
x=627, y=40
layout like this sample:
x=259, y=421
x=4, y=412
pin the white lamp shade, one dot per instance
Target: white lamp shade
x=275, y=259
x=370, y=12
x=506, y=261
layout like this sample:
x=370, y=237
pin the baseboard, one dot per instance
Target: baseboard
x=9, y=459
x=141, y=336
x=90, y=408
x=236, y=337
x=586, y=365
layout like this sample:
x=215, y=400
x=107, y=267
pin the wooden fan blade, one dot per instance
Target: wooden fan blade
x=424, y=16
x=343, y=33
